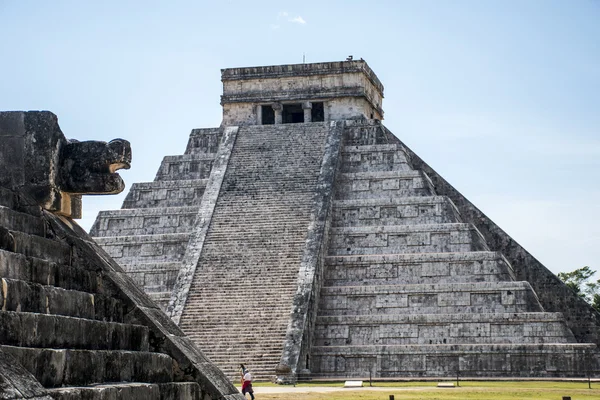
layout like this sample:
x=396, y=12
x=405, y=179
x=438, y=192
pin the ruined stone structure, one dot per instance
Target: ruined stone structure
x=73, y=325
x=303, y=239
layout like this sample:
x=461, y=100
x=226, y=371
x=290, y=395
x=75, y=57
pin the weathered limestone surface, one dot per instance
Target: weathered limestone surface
x=72, y=323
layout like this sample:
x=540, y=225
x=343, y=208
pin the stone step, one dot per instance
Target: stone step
x=165, y=193
x=145, y=221
x=255, y=356
x=22, y=296
x=263, y=333
x=450, y=298
x=383, y=184
x=430, y=238
x=276, y=312
x=264, y=361
x=22, y=222
x=204, y=140
x=210, y=320
x=245, y=289
x=39, y=247
x=67, y=367
x=225, y=280
x=185, y=166
x=168, y=247
x=269, y=130
x=25, y=329
x=219, y=348
x=442, y=329
x=248, y=237
x=471, y=360
x=239, y=220
x=248, y=282
x=394, y=211
x=130, y=391
x=280, y=305
x=19, y=267
x=481, y=266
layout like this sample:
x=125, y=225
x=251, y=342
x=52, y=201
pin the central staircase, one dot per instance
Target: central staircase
x=240, y=299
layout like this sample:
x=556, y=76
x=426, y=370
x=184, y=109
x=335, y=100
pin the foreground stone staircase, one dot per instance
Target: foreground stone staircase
x=149, y=235
x=73, y=325
x=409, y=290
x=239, y=301
x=65, y=324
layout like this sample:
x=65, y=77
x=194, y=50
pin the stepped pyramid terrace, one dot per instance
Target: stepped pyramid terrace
x=73, y=325
x=304, y=239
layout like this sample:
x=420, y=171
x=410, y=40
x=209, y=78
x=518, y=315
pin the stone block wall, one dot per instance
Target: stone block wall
x=411, y=288
x=554, y=295
x=557, y=360
x=158, y=194
x=417, y=269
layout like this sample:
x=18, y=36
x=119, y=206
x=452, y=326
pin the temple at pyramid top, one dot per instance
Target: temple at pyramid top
x=305, y=240
x=294, y=93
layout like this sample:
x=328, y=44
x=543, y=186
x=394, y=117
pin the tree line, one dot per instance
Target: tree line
x=581, y=283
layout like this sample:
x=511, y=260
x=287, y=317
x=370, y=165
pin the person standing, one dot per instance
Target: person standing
x=246, y=382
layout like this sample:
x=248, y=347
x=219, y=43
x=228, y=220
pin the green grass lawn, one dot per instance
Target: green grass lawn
x=468, y=390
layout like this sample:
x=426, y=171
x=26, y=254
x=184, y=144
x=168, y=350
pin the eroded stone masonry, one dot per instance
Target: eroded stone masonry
x=73, y=325
x=304, y=239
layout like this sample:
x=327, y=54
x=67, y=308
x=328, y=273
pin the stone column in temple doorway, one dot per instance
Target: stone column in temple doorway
x=278, y=108
x=307, y=107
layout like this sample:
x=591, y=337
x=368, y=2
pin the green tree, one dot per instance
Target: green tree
x=579, y=281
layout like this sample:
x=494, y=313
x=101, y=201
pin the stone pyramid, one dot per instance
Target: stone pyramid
x=73, y=325
x=304, y=239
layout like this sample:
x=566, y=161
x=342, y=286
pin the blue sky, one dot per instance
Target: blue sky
x=501, y=98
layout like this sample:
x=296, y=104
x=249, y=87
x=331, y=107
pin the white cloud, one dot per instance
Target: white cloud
x=297, y=20
x=285, y=16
